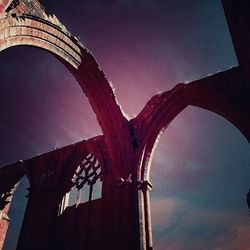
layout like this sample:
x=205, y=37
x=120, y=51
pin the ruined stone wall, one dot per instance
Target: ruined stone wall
x=4, y=5
x=29, y=31
x=4, y=224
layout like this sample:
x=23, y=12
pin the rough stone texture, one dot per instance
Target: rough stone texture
x=50, y=177
x=3, y=225
x=29, y=31
x=4, y=5
x=126, y=147
x=9, y=176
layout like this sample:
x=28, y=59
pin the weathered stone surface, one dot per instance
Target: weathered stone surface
x=4, y=223
x=4, y=5
x=126, y=147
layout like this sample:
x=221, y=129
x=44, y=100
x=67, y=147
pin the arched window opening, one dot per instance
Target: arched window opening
x=200, y=173
x=42, y=107
x=87, y=184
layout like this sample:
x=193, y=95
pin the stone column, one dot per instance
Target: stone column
x=39, y=221
x=9, y=179
x=42, y=209
x=121, y=215
x=146, y=187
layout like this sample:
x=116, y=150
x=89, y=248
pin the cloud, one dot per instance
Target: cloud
x=181, y=225
x=162, y=211
x=240, y=243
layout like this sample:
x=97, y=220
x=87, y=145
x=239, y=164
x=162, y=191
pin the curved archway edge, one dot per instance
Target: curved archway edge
x=128, y=145
x=225, y=94
x=53, y=37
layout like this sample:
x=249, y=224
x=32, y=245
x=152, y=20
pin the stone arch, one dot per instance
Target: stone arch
x=33, y=31
x=191, y=156
x=222, y=94
x=49, y=34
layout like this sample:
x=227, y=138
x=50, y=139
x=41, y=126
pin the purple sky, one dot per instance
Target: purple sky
x=200, y=170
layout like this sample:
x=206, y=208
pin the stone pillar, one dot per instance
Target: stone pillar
x=42, y=206
x=146, y=187
x=4, y=218
x=9, y=179
x=121, y=215
x=39, y=221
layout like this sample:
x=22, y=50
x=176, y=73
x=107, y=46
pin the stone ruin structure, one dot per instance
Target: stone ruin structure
x=120, y=158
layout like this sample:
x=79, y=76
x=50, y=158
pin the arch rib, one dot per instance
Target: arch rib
x=224, y=93
x=35, y=28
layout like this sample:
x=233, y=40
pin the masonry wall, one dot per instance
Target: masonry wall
x=4, y=223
